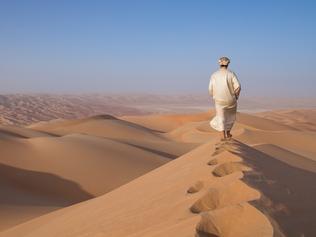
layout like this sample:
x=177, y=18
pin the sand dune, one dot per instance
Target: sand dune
x=166, y=123
x=21, y=132
x=288, y=157
x=230, y=194
x=229, y=221
x=302, y=143
x=105, y=126
x=95, y=162
x=157, y=175
x=140, y=214
x=25, y=109
x=303, y=119
x=261, y=123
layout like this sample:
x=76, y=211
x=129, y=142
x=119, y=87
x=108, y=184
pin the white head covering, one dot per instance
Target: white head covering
x=223, y=61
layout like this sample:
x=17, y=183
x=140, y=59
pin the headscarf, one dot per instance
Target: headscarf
x=223, y=61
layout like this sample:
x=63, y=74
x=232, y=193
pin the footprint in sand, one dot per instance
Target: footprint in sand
x=196, y=187
x=224, y=158
x=229, y=168
x=225, y=195
x=240, y=220
x=224, y=146
x=213, y=162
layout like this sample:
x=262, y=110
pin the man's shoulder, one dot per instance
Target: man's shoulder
x=231, y=71
x=216, y=73
x=221, y=73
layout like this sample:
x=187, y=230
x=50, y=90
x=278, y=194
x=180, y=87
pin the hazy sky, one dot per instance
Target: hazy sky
x=156, y=46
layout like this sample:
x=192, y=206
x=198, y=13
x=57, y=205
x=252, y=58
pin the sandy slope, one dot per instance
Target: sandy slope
x=42, y=171
x=157, y=204
x=166, y=123
x=303, y=119
x=255, y=185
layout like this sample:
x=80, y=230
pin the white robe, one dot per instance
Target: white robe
x=224, y=86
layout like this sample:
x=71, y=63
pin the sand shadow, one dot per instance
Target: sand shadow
x=17, y=135
x=11, y=134
x=289, y=193
x=131, y=124
x=44, y=187
x=157, y=152
x=203, y=234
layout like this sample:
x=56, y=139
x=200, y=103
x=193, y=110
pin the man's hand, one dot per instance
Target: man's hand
x=237, y=92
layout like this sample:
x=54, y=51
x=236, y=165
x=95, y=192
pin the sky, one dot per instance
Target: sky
x=156, y=46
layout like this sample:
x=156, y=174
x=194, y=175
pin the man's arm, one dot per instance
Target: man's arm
x=210, y=87
x=236, y=86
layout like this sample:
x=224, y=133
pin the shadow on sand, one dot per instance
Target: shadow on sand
x=289, y=193
x=45, y=188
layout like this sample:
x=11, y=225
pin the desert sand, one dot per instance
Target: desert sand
x=159, y=175
x=29, y=108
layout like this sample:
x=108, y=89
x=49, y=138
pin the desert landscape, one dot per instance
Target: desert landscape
x=157, y=118
x=157, y=174
x=29, y=108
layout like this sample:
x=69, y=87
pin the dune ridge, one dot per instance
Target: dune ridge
x=162, y=185
x=139, y=177
x=87, y=153
x=303, y=119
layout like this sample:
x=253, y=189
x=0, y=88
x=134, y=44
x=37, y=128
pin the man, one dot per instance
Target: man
x=225, y=88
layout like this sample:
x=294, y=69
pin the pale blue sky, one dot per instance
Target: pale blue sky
x=156, y=46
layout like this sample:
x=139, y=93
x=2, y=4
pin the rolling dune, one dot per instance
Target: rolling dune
x=303, y=119
x=157, y=175
x=95, y=160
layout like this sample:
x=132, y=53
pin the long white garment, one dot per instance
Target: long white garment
x=224, y=119
x=224, y=86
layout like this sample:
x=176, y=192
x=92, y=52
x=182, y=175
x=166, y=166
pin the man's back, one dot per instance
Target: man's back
x=225, y=89
x=223, y=84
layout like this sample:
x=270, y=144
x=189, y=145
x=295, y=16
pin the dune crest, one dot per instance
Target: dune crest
x=230, y=194
x=229, y=168
x=166, y=186
x=157, y=175
x=241, y=220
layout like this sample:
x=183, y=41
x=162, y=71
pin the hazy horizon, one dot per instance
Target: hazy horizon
x=161, y=47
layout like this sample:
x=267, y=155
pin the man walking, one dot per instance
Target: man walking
x=224, y=87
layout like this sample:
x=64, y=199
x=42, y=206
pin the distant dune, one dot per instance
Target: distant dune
x=304, y=119
x=26, y=109
x=159, y=175
x=69, y=161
